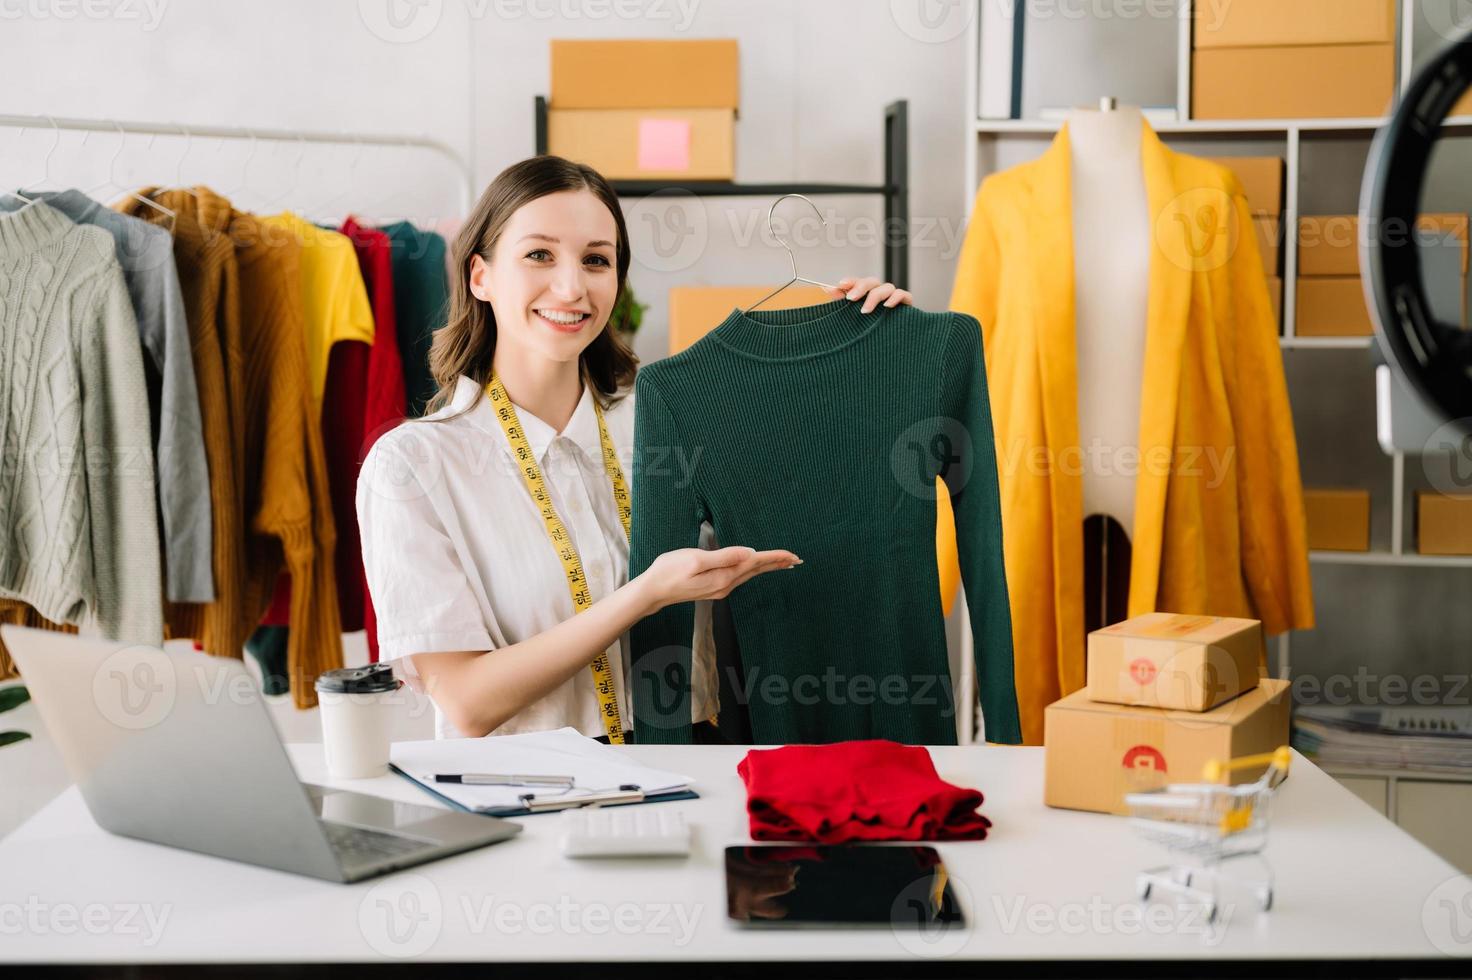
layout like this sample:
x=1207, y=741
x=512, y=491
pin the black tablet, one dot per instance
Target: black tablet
x=852, y=885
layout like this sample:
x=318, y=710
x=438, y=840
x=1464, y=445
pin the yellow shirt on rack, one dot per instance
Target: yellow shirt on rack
x=336, y=299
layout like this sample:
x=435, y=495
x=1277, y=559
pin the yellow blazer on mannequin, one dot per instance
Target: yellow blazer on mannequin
x=1219, y=522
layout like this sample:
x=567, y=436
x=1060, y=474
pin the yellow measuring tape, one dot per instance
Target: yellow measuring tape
x=572, y=565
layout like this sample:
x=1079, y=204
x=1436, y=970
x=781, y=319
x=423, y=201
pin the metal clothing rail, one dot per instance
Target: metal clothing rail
x=467, y=187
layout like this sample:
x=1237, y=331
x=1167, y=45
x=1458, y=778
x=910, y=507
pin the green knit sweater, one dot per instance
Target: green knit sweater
x=821, y=430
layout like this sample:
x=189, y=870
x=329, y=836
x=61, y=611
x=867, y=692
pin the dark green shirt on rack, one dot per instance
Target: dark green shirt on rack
x=821, y=430
x=421, y=303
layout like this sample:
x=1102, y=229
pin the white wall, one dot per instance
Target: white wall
x=815, y=76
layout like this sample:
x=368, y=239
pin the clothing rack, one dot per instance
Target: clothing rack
x=467, y=185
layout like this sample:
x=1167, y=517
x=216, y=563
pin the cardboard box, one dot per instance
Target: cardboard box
x=696, y=74
x=1443, y=524
x=1332, y=306
x=1251, y=23
x=1269, y=242
x=697, y=310
x=1095, y=752
x=1262, y=180
x=1338, y=520
x=638, y=144
x=1167, y=660
x=1329, y=244
x=1329, y=81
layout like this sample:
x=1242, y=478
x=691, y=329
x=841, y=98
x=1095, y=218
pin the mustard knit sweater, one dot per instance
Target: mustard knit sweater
x=268, y=478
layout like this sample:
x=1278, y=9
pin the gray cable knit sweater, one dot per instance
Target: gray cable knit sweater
x=78, y=533
x=146, y=253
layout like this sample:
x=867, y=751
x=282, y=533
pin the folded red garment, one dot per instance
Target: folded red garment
x=869, y=790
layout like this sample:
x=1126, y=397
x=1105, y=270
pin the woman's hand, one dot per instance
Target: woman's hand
x=872, y=292
x=688, y=574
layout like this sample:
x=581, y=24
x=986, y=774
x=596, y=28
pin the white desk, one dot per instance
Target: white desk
x=1047, y=883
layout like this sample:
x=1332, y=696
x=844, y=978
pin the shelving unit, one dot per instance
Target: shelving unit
x=997, y=141
x=895, y=189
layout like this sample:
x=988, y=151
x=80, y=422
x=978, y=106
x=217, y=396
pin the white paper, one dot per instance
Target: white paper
x=595, y=767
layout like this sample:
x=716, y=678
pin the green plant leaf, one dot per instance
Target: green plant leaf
x=7, y=737
x=13, y=697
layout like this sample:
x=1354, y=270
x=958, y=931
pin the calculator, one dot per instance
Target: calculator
x=624, y=831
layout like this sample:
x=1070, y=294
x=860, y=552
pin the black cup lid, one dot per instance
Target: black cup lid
x=369, y=679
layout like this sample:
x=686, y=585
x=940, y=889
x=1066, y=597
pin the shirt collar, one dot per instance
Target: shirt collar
x=581, y=429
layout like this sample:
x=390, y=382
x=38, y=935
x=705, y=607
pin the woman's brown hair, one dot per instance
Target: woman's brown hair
x=467, y=342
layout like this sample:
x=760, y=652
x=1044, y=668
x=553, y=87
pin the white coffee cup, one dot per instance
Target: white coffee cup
x=357, y=706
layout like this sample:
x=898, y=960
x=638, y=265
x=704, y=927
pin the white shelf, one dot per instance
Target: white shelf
x=1385, y=558
x=1325, y=343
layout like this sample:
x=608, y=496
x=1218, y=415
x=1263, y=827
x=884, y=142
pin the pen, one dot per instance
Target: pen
x=494, y=779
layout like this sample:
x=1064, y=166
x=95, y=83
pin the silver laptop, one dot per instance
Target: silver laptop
x=180, y=749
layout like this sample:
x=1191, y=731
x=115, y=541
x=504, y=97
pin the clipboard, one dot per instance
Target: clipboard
x=522, y=811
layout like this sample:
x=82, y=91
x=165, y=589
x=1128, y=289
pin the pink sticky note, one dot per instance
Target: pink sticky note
x=664, y=144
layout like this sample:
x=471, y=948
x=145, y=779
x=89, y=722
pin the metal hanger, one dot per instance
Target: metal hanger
x=45, y=177
x=790, y=255
x=244, y=167
x=320, y=210
x=178, y=184
x=128, y=192
x=270, y=203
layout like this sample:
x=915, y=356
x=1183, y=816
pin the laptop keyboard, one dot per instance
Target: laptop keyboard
x=358, y=845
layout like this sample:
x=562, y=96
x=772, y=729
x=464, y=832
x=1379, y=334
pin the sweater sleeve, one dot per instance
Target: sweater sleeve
x=970, y=474
x=183, y=474
x=666, y=515
x=119, y=467
x=1270, y=495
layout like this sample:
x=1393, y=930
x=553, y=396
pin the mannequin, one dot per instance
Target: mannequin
x=1111, y=254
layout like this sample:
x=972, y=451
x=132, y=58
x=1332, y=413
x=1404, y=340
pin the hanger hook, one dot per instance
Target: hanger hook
x=112, y=164
x=55, y=142
x=188, y=145
x=791, y=257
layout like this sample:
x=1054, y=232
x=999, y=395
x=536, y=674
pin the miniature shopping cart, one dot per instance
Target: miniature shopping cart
x=1206, y=824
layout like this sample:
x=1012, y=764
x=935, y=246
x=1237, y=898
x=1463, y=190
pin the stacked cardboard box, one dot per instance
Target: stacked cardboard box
x=1288, y=59
x=1338, y=520
x=1331, y=293
x=646, y=110
x=1166, y=694
x=1443, y=523
x=1262, y=180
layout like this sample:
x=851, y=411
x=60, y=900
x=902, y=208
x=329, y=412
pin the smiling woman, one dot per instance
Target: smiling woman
x=496, y=529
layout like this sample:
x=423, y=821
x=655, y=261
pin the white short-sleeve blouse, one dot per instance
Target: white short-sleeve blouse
x=457, y=555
